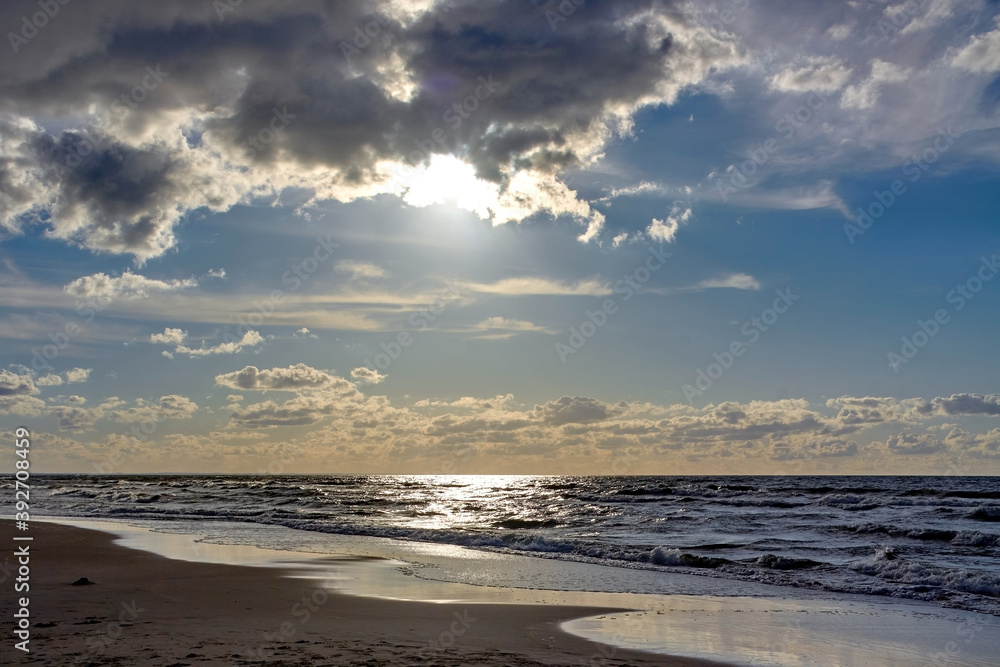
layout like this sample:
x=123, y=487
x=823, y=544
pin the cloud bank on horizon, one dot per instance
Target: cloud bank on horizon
x=596, y=207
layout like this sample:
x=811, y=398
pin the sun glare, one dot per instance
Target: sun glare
x=448, y=179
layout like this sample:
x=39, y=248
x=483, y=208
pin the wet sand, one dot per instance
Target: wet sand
x=144, y=609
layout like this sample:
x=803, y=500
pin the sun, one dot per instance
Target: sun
x=449, y=180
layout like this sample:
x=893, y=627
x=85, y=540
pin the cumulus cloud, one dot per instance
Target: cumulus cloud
x=914, y=444
x=12, y=384
x=666, y=230
x=306, y=408
x=470, y=403
x=968, y=404
x=582, y=432
x=169, y=337
x=129, y=285
x=367, y=375
x=72, y=416
x=171, y=406
x=575, y=410
x=17, y=395
x=75, y=375
x=72, y=376
x=532, y=103
x=293, y=378
x=250, y=339
x=981, y=54
x=50, y=380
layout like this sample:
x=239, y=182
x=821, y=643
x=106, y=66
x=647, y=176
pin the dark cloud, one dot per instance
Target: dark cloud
x=12, y=384
x=154, y=110
x=294, y=378
x=968, y=404
x=914, y=444
x=575, y=410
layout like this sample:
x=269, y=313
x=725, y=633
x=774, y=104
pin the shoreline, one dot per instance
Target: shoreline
x=155, y=610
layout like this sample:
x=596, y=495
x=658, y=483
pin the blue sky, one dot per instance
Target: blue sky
x=502, y=237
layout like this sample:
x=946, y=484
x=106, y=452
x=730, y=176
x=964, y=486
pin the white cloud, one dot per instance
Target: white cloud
x=865, y=94
x=824, y=74
x=293, y=378
x=506, y=327
x=619, y=239
x=732, y=280
x=169, y=337
x=538, y=286
x=170, y=406
x=250, y=339
x=367, y=375
x=105, y=288
x=75, y=375
x=17, y=395
x=839, y=32
x=666, y=230
x=536, y=122
x=356, y=269
x=914, y=444
x=799, y=198
x=12, y=384
x=50, y=380
x=981, y=54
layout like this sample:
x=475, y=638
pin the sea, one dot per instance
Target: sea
x=935, y=539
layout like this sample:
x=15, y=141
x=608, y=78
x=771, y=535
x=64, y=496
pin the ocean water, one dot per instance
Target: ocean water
x=925, y=538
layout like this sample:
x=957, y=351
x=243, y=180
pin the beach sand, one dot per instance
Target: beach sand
x=144, y=609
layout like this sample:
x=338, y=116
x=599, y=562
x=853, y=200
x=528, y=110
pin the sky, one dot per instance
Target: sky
x=478, y=237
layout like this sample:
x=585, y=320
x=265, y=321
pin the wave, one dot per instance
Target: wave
x=985, y=513
x=663, y=556
x=955, y=537
x=887, y=564
x=526, y=523
x=774, y=562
